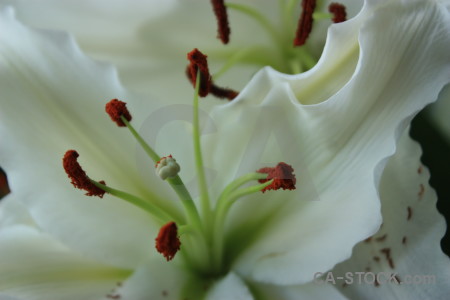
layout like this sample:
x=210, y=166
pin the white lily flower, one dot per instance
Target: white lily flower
x=336, y=125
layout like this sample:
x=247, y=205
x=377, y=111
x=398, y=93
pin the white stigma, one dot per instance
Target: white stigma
x=167, y=167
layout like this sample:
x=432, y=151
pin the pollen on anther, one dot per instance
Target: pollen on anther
x=305, y=22
x=282, y=175
x=78, y=176
x=116, y=109
x=339, y=12
x=198, y=62
x=167, y=242
x=222, y=20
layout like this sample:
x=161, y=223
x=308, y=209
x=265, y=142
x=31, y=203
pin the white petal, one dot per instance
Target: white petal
x=338, y=146
x=230, y=287
x=35, y=267
x=106, y=30
x=156, y=280
x=312, y=290
x=13, y=212
x=412, y=230
x=53, y=100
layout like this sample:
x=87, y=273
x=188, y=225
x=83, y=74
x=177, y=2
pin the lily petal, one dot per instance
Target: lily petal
x=35, y=267
x=407, y=245
x=304, y=291
x=54, y=100
x=340, y=144
x=106, y=30
x=230, y=287
x=156, y=280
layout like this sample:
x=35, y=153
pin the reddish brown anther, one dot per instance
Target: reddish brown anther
x=223, y=93
x=283, y=177
x=198, y=62
x=339, y=12
x=167, y=242
x=116, y=109
x=4, y=188
x=223, y=28
x=305, y=22
x=78, y=176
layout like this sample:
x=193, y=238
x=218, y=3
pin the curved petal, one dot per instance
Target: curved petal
x=13, y=212
x=340, y=144
x=312, y=290
x=406, y=251
x=53, y=100
x=35, y=267
x=107, y=30
x=229, y=287
x=156, y=280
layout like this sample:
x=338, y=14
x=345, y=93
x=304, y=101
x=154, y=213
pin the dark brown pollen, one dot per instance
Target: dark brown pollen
x=283, y=177
x=78, y=176
x=305, y=22
x=167, y=241
x=115, y=109
x=223, y=27
x=198, y=61
x=339, y=12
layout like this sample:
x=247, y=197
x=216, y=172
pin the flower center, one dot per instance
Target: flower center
x=288, y=51
x=199, y=236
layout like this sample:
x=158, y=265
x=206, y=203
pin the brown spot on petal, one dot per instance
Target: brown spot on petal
x=387, y=254
x=409, y=216
x=404, y=240
x=376, y=283
x=421, y=191
x=381, y=238
x=368, y=240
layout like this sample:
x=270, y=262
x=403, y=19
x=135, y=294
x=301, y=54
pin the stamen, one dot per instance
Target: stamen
x=167, y=167
x=198, y=62
x=78, y=176
x=223, y=92
x=305, y=22
x=222, y=20
x=4, y=187
x=116, y=109
x=282, y=175
x=167, y=241
x=338, y=11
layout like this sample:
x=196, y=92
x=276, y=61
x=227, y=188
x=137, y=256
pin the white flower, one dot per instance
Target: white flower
x=336, y=124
